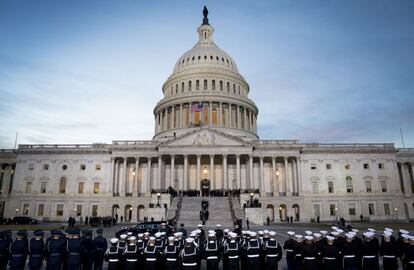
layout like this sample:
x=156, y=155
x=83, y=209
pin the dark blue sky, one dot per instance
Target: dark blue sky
x=319, y=71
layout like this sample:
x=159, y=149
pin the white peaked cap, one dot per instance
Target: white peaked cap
x=189, y=240
x=353, y=233
x=218, y=225
x=334, y=228
x=198, y=231
x=371, y=230
x=272, y=233
x=253, y=234
x=146, y=233
x=308, y=232
x=200, y=225
x=323, y=232
x=140, y=235
x=369, y=234
x=260, y=232
x=388, y=229
x=309, y=238
x=157, y=234
x=335, y=233
x=291, y=233
x=123, y=236
x=171, y=238
x=349, y=235
x=355, y=230
x=211, y=231
x=266, y=231
x=132, y=238
x=152, y=238
x=330, y=238
x=387, y=234
x=176, y=234
x=114, y=240
x=404, y=231
x=233, y=235
x=411, y=238
x=129, y=233
x=405, y=236
x=340, y=230
x=226, y=230
x=317, y=235
x=298, y=236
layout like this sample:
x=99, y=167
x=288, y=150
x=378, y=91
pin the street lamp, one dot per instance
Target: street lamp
x=133, y=172
x=251, y=198
x=205, y=171
x=336, y=213
x=396, y=214
x=158, y=199
x=17, y=210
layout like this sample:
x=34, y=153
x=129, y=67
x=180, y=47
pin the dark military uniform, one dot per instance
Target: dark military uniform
x=408, y=260
x=101, y=246
x=4, y=250
x=290, y=255
x=298, y=253
x=131, y=255
x=253, y=252
x=370, y=255
x=310, y=257
x=36, y=251
x=18, y=250
x=74, y=252
x=273, y=254
x=350, y=256
x=212, y=254
x=152, y=257
x=171, y=257
x=88, y=251
x=54, y=252
x=190, y=257
x=389, y=252
x=113, y=257
x=331, y=259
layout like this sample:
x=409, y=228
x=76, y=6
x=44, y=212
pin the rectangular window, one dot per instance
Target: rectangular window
x=313, y=166
x=80, y=187
x=62, y=185
x=317, y=210
x=96, y=187
x=380, y=166
x=98, y=167
x=351, y=209
x=328, y=166
x=30, y=167
x=366, y=166
x=40, y=209
x=384, y=186
x=59, y=210
x=45, y=167
x=387, y=209
x=82, y=167
x=330, y=187
x=79, y=210
x=25, y=209
x=28, y=187
x=43, y=187
x=94, y=210
x=315, y=188
x=371, y=209
x=368, y=186
x=332, y=209
x=349, y=186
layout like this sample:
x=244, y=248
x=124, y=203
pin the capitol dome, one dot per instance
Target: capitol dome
x=205, y=89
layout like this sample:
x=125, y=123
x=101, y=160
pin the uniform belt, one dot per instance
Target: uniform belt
x=272, y=255
x=233, y=257
x=389, y=256
x=171, y=259
x=298, y=255
x=189, y=264
x=329, y=258
x=36, y=256
x=132, y=260
x=411, y=262
x=55, y=254
x=289, y=250
x=17, y=255
x=74, y=253
x=113, y=260
x=151, y=259
x=212, y=258
x=349, y=256
x=309, y=258
x=368, y=257
x=253, y=256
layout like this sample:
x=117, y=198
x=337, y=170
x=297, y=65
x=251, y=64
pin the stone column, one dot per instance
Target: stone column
x=406, y=181
x=159, y=172
x=210, y=114
x=213, y=184
x=149, y=184
x=198, y=172
x=238, y=171
x=286, y=180
x=245, y=118
x=299, y=174
x=124, y=179
x=156, y=124
x=173, y=117
x=135, y=186
x=181, y=115
x=185, y=184
x=251, y=186
x=220, y=115
x=225, y=171
x=116, y=190
x=230, y=116
x=112, y=174
x=238, y=116
x=251, y=123
x=295, y=178
x=275, y=189
x=165, y=118
x=172, y=170
x=262, y=182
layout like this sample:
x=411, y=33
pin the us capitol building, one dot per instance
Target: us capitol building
x=206, y=132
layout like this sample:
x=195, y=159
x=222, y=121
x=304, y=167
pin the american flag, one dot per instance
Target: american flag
x=196, y=107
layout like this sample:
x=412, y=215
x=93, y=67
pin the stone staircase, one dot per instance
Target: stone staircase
x=171, y=212
x=219, y=212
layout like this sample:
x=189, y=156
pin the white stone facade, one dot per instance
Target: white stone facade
x=53, y=182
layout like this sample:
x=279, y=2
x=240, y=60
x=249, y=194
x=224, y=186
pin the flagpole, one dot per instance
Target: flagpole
x=402, y=137
x=15, y=141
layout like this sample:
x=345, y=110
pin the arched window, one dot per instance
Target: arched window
x=234, y=88
x=62, y=185
x=182, y=87
x=221, y=85
x=197, y=85
x=189, y=85
x=239, y=89
x=228, y=87
x=349, y=186
x=171, y=90
x=205, y=84
x=205, y=57
x=211, y=57
x=213, y=84
x=176, y=88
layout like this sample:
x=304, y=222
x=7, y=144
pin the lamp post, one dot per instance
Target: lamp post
x=133, y=172
x=17, y=210
x=158, y=199
x=396, y=214
x=251, y=198
x=205, y=171
x=280, y=213
x=336, y=213
x=277, y=177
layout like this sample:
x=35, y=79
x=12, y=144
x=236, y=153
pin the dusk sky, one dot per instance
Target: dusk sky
x=319, y=71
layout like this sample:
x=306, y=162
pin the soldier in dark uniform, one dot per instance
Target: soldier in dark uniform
x=231, y=252
x=408, y=257
x=212, y=252
x=171, y=253
x=113, y=255
x=36, y=250
x=252, y=249
x=330, y=255
x=131, y=254
x=189, y=255
x=369, y=252
x=350, y=253
x=219, y=233
x=388, y=251
x=4, y=250
x=310, y=254
x=183, y=230
x=298, y=253
x=74, y=250
x=18, y=251
x=288, y=247
x=151, y=255
x=88, y=250
x=54, y=251
x=101, y=246
x=272, y=252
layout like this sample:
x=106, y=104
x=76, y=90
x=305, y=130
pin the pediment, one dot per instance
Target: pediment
x=205, y=137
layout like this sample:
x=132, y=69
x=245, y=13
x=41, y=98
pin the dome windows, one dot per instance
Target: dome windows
x=213, y=85
x=217, y=58
x=211, y=57
x=199, y=57
x=176, y=88
x=221, y=85
x=234, y=88
x=182, y=87
x=228, y=87
x=189, y=85
x=193, y=58
x=205, y=85
x=205, y=57
x=197, y=85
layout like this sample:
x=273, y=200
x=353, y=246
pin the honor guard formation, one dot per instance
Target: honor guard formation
x=224, y=249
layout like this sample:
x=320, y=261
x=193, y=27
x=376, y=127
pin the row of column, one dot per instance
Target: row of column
x=407, y=177
x=227, y=115
x=284, y=179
